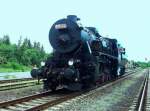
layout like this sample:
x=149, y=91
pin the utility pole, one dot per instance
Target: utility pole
x=146, y=60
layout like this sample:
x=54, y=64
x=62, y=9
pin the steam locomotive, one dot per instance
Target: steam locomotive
x=81, y=58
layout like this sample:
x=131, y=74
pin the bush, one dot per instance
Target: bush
x=15, y=66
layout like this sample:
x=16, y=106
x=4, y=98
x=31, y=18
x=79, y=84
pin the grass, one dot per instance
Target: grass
x=13, y=67
x=13, y=70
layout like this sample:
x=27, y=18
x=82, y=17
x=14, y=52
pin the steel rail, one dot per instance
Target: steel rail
x=59, y=100
x=143, y=93
x=71, y=96
x=15, y=80
x=23, y=99
x=15, y=85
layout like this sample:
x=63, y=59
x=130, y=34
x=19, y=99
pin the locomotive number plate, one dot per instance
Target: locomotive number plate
x=61, y=26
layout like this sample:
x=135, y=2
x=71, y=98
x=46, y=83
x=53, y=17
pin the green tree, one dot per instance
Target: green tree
x=24, y=53
x=6, y=39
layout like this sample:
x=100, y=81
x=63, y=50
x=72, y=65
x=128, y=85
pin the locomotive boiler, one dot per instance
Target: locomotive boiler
x=81, y=57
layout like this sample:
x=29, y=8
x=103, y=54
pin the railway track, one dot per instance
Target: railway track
x=48, y=99
x=139, y=103
x=20, y=83
x=15, y=80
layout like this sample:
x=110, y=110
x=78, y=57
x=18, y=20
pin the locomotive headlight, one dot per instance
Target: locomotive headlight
x=70, y=62
x=42, y=63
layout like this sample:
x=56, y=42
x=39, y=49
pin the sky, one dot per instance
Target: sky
x=126, y=20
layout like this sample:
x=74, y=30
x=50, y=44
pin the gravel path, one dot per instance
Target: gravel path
x=116, y=98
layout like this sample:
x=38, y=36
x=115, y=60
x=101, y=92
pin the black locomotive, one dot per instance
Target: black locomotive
x=81, y=58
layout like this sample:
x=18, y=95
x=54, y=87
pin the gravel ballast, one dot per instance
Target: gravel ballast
x=21, y=92
x=118, y=97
